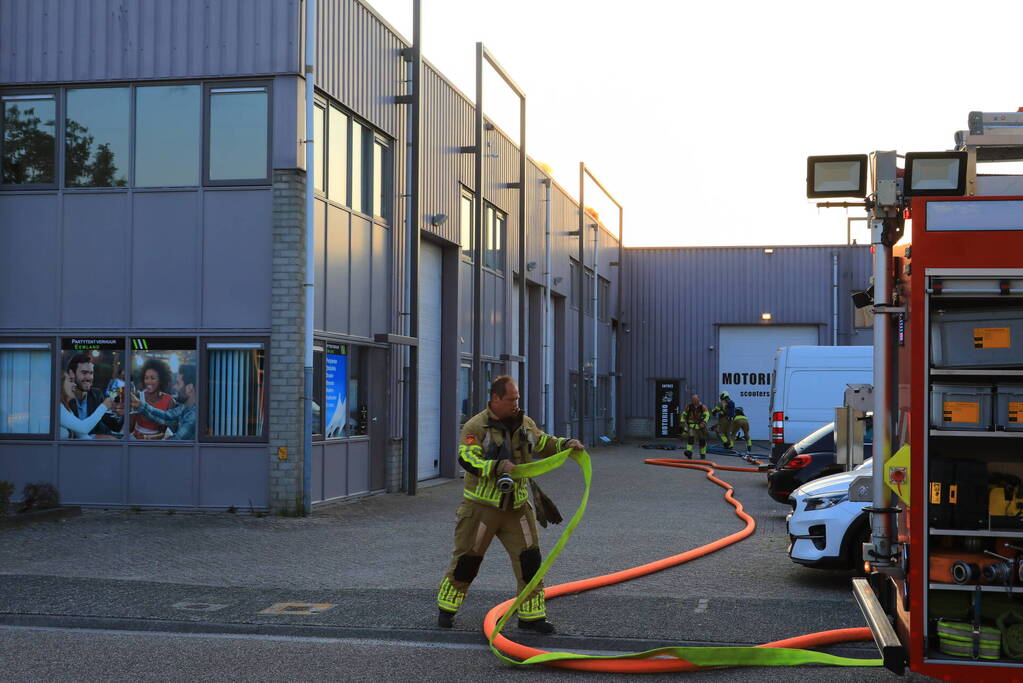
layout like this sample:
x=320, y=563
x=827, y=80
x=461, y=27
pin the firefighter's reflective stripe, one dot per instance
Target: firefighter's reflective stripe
x=558, y=444
x=534, y=608
x=486, y=492
x=449, y=598
x=472, y=459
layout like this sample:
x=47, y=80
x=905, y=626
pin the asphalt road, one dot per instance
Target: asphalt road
x=153, y=596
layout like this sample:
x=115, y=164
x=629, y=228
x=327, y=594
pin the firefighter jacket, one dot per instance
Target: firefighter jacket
x=486, y=440
x=695, y=415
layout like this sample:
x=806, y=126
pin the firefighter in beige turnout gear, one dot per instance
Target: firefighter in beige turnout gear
x=492, y=443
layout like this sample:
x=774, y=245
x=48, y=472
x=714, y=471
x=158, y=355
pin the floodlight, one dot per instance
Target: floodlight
x=864, y=298
x=935, y=174
x=766, y=317
x=843, y=175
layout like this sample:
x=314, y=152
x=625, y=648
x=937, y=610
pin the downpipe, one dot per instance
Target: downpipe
x=310, y=261
x=548, y=395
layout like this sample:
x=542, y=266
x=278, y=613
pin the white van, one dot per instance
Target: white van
x=808, y=383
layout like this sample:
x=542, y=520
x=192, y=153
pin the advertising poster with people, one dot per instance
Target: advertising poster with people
x=336, y=390
x=92, y=388
x=163, y=392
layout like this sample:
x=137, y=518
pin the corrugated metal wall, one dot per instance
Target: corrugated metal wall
x=51, y=41
x=675, y=298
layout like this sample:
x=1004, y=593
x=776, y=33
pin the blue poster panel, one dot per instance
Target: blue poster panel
x=336, y=390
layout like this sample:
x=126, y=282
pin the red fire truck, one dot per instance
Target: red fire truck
x=944, y=588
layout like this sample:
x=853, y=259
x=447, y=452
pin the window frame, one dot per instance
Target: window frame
x=199, y=368
x=204, y=381
x=57, y=93
x=382, y=143
x=603, y=298
x=51, y=343
x=489, y=227
x=319, y=386
x=467, y=255
x=131, y=138
x=207, y=109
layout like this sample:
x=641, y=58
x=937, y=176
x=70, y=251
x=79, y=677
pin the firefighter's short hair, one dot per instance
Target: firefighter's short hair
x=500, y=385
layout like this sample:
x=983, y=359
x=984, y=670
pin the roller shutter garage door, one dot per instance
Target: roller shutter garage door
x=745, y=361
x=430, y=279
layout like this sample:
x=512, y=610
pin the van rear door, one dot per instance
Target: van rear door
x=811, y=397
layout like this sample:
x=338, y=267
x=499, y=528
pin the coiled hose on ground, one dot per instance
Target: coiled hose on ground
x=786, y=652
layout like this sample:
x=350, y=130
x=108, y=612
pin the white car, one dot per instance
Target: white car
x=826, y=529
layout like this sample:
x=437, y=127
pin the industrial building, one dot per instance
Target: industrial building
x=153, y=239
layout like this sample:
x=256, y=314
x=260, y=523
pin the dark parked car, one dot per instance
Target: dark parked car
x=807, y=459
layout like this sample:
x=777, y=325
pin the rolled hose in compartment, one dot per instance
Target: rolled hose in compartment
x=787, y=652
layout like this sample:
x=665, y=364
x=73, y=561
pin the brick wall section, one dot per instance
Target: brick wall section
x=287, y=341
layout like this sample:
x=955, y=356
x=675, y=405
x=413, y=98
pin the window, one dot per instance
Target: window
x=603, y=396
x=491, y=371
x=97, y=137
x=318, y=388
x=573, y=278
x=358, y=167
x=464, y=402
x=167, y=135
x=91, y=395
x=238, y=142
x=493, y=239
x=140, y=136
x=164, y=391
x=25, y=389
x=466, y=218
x=588, y=291
x=236, y=401
x=337, y=157
x=378, y=192
x=29, y=146
x=603, y=297
x=319, y=137
x=573, y=395
x=345, y=391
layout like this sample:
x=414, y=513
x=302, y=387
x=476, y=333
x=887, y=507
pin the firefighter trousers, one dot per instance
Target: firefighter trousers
x=476, y=526
x=697, y=432
x=725, y=431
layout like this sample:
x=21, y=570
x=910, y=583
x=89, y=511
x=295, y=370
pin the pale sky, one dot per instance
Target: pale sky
x=699, y=117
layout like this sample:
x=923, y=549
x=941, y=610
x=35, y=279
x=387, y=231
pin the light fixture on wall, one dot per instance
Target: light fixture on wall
x=558, y=280
x=531, y=265
x=438, y=219
x=766, y=317
x=768, y=251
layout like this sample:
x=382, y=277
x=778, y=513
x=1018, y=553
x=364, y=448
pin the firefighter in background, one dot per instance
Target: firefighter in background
x=492, y=443
x=694, y=420
x=740, y=424
x=725, y=410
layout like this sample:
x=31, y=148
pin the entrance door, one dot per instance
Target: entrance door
x=745, y=361
x=430, y=279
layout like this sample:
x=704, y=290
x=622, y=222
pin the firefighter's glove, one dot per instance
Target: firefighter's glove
x=546, y=510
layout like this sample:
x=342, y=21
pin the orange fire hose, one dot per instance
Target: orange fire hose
x=659, y=665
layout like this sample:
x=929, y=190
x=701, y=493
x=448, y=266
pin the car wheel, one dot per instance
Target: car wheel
x=856, y=535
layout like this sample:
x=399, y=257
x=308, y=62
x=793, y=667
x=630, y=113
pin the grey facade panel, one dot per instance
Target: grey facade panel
x=237, y=255
x=676, y=299
x=92, y=474
x=52, y=41
x=29, y=269
x=358, y=466
x=156, y=476
x=335, y=470
x=361, y=273
x=165, y=249
x=335, y=285
x=26, y=463
x=233, y=476
x=94, y=251
x=377, y=292
x=320, y=258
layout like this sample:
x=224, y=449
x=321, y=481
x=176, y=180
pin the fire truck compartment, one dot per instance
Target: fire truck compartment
x=977, y=338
